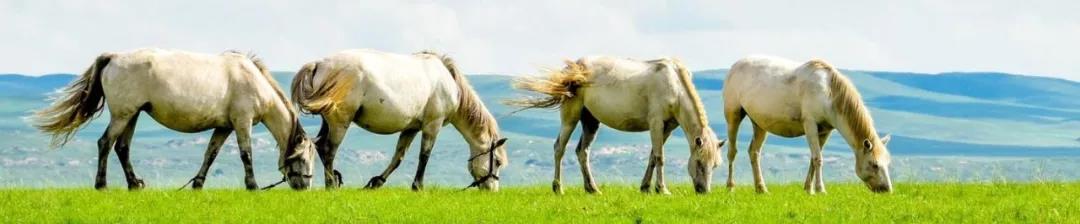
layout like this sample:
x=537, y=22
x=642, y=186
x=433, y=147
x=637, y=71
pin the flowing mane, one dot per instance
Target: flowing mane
x=848, y=103
x=470, y=107
x=687, y=82
x=297, y=134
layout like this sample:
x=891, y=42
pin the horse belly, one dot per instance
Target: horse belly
x=625, y=113
x=188, y=120
x=784, y=126
x=385, y=120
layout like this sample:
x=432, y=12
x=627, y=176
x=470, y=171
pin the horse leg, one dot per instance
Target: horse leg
x=755, y=158
x=734, y=118
x=330, y=137
x=402, y=146
x=427, y=143
x=115, y=129
x=123, y=149
x=819, y=179
x=659, y=132
x=243, y=139
x=571, y=114
x=812, y=139
x=212, y=149
x=589, y=128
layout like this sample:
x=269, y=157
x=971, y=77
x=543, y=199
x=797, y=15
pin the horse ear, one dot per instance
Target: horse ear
x=499, y=142
x=721, y=144
x=885, y=140
x=699, y=142
x=867, y=145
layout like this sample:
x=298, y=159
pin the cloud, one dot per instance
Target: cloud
x=518, y=37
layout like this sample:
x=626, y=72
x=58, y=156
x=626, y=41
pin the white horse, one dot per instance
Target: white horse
x=186, y=92
x=387, y=93
x=789, y=99
x=627, y=95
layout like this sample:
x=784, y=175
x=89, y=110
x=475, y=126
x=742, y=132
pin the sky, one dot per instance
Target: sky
x=521, y=37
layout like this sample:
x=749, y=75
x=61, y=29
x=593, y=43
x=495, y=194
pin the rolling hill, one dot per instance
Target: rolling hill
x=946, y=127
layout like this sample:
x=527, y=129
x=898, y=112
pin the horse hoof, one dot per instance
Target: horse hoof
x=556, y=188
x=593, y=191
x=417, y=187
x=100, y=186
x=138, y=184
x=645, y=188
x=375, y=182
x=663, y=191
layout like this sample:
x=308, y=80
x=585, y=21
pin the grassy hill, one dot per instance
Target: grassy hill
x=964, y=127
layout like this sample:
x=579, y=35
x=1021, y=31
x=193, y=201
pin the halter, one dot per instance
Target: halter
x=491, y=168
x=287, y=175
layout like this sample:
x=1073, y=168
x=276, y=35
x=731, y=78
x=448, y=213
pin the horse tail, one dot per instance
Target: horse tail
x=559, y=86
x=313, y=99
x=74, y=105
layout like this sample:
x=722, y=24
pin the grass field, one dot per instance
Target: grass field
x=931, y=202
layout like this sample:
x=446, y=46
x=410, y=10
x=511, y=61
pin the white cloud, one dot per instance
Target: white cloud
x=518, y=37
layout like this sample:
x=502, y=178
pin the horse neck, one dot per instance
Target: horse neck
x=853, y=135
x=689, y=120
x=280, y=122
x=465, y=121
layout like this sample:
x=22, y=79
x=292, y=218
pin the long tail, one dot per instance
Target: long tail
x=559, y=86
x=74, y=105
x=324, y=97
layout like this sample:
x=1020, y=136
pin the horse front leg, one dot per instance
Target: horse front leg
x=659, y=132
x=243, y=139
x=427, y=143
x=813, y=140
x=819, y=181
x=212, y=149
x=399, y=153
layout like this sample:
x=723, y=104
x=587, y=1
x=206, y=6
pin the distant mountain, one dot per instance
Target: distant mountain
x=934, y=119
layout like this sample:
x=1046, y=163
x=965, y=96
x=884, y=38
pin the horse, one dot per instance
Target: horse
x=789, y=99
x=627, y=95
x=186, y=92
x=387, y=93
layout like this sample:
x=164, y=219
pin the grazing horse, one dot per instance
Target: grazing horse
x=627, y=95
x=186, y=92
x=387, y=93
x=789, y=99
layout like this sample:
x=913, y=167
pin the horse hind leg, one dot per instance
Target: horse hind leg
x=755, y=158
x=123, y=149
x=734, y=119
x=589, y=128
x=330, y=138
x=571, y=114
x=117, y=125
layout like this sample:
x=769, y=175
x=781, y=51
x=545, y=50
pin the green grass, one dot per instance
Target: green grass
x=938, y=202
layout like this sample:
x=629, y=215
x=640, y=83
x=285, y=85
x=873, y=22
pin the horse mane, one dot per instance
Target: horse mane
x=470, y=107
x=687, y=82
x=297, y=134
x=848, y=103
